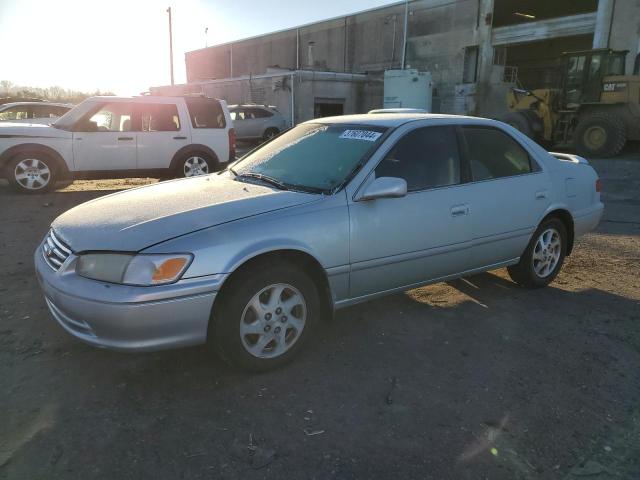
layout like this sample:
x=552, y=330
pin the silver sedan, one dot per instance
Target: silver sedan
x=332, y=213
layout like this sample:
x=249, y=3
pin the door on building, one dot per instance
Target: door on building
x=328, y=107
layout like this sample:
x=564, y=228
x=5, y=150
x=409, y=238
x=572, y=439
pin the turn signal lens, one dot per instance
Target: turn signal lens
x=598, y=186
x=168, y=270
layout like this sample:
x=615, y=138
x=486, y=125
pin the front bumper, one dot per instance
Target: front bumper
x=121, y=317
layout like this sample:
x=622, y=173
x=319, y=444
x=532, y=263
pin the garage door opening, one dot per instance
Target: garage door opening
x=328, y=107
x=511, y=12
x=538, y=64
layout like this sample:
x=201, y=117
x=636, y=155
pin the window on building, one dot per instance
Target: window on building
x=425, y=158
x=470, y=68
x=160, y=117
x=494, y=154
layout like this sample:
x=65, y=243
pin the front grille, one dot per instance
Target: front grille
x=54, y=251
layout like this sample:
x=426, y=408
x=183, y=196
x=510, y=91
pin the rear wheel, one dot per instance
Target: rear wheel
x=32, y=172
x=270, y=133
x=600, y=135
x=267, y=314
x=542, y=260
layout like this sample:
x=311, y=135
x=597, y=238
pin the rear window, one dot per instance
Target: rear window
x=205, y=113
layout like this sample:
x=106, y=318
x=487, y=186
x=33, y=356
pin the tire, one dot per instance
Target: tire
x=32, y=172
x=269, y=133
x=600, y=135
x=529, y=272
x=194, y=164
x=236, y=329
x=520, y=122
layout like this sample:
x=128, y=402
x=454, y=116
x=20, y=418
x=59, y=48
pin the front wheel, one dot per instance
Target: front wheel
x=31, y=172
x=266, y=316
x=542, y=260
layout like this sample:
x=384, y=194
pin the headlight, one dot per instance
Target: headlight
x=128, y=269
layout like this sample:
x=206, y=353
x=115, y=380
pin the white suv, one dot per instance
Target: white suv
x=112, y=137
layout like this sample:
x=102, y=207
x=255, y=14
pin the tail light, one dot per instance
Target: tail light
x=232, y=144
x=598, y=186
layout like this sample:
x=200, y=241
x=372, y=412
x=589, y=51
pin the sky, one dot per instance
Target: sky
x=123, y=45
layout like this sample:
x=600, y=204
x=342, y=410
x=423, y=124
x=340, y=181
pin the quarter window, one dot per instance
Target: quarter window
x=160, y=117
x=206, y=113
x=426, y=158
x=494, y=154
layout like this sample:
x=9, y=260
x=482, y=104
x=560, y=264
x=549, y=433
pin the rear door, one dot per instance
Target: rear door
x=163, y=133
x=509, y=194
x=105, y=139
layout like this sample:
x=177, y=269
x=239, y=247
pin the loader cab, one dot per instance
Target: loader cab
x=583, y=74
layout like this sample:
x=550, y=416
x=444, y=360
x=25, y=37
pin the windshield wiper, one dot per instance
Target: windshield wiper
x=263, y=178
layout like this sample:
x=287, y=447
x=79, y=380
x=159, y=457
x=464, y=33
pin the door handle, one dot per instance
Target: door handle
x=125, y=138
x=179, y=138
x=541, y=194
x=459, y=210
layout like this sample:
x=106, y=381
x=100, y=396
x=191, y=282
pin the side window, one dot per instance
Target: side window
x=426, y=158
x=260, y=113
x=233, y=114
x=494, y=154
x=160, y=117
x=14, y=113
x=47, y=111
x=207, y=113
x=112, y=117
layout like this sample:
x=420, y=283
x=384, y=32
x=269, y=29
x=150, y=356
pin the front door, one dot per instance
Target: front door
x=106, y=140
x=509, y=195
x=399, y=242
x=162, y=134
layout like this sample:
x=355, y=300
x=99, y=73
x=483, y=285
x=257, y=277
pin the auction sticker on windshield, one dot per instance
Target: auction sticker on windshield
x=366, y=135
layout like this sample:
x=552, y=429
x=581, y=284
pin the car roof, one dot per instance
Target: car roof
x=252, y=105
x=146, y=98
x=19, y=104
x=393, y=119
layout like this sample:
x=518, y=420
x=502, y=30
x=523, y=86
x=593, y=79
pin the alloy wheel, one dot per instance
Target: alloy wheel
x=546, y=253
x=273, y=320
x=194, y=166
x=32, y=174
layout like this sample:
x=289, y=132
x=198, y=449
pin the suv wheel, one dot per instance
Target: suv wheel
x=542, y=260
x=266, y=317
x=194, y=164
x=31, y=172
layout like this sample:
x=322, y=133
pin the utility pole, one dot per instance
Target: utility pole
x=170, y=46
x=206, y=39
x=406, y=26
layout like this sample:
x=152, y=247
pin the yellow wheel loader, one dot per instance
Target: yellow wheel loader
x=596, y=110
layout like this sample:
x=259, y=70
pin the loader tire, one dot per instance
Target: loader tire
x=600, y=136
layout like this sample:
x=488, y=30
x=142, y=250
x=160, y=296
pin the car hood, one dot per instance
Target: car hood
x=31, y=130
x=135, y=219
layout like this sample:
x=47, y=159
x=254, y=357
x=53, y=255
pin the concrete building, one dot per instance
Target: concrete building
x=475, y=50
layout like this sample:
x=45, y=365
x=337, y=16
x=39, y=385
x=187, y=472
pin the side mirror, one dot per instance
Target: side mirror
x=385, y=187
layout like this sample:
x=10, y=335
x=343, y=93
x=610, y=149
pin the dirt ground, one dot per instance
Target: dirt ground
x=472, y=379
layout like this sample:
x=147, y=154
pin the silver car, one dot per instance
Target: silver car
x=257, y=122
x=332, y=213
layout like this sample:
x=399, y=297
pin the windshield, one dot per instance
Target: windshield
x=312, y=156
x=66, y=121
